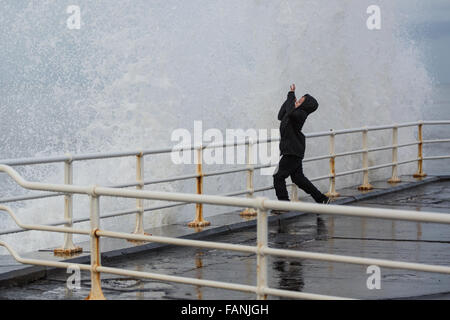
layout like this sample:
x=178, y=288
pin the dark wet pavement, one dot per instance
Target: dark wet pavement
x=374, y=238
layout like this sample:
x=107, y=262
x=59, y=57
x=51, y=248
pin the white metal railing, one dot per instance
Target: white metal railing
x=261, y=250
x=251, y=203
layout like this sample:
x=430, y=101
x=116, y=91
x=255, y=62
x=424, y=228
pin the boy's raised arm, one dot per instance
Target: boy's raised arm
x=288, y=105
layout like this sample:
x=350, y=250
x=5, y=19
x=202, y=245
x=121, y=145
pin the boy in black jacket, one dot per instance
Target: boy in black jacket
x=293, y=114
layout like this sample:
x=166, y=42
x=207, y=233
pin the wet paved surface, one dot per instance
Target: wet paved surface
x=385, y=239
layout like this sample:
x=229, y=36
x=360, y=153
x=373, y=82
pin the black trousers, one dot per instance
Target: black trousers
x=292, y=166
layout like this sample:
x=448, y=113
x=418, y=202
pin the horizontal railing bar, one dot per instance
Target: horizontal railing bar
x=276, y=252
x=317, y=158
x=261, y=166
x=216, y=173
x=178, y=279
x=349, y=153
x=214, y=284
x=318, y=134
x=374, y=149
x=127, y=212
x=104, y=216
x=162, y=277
x=163, y=180
x=407, y=161
x=166, y=150
x=385, y=127
x=33, y=197
x=436, y=141
x=93, y=156
x=49, y=228
x=263, y=189
x=300, y=295
x=123, y=213
x=408, y=124
x=347, y=131
x=345, y=173
x=437, y=157
x=157, y=195
x=369, y=128
x=125, y=185
x=380, y=166
x=149, y=182
x=226, y=201
x=108, y=215
x=19, y=230
x=356, y=260
x=233, y=143
x=45, y=263
x=375, y=128
x=373, y=168
x=406, y=215
x=11, y=231
x=408, y=144
x=41, y=227
x=177, y=241
x=328, y=176
x=236, y=193
x=381, y=148
x=166, y=206
x=96, y=156
x=30, y=161
x=436, y=122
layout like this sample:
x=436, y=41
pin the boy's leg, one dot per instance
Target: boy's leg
x=303, y=183
x=279, y=178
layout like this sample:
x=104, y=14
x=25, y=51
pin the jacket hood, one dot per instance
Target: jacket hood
x=310, y=104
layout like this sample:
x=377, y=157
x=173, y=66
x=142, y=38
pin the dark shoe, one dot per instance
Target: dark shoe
x=326, y=200
x=277, y=212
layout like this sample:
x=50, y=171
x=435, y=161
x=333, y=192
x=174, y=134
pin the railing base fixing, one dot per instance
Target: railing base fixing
x=419, y=175
x=394, y=180
x=365, y=187
x=96, y=296
x=61, y=252
x=249, y=212
x=199, y=224
x=333, y=195
x=139, y=241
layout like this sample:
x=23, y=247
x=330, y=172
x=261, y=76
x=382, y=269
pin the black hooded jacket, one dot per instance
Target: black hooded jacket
x=292, y=120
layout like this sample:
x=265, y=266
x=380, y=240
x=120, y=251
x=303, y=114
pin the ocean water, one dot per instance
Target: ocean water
x=137, y=70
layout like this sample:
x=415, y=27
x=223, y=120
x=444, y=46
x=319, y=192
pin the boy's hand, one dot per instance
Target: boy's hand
x=293, y=87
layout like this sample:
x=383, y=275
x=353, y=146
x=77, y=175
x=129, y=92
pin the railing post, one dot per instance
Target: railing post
x=199, y=221
x=250, y=212
x=366, y=185
x=332, y=193
x=68, y=247
x=96, y=292
x=394, y=178
x=294, y=192
x=139, y=228
x=261, y=260
x=420, y=173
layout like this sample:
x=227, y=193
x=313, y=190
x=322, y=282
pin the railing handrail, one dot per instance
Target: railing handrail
x=259, y=202
x=118, y=154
